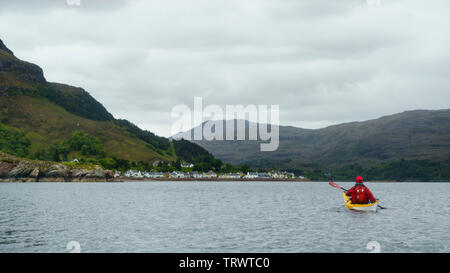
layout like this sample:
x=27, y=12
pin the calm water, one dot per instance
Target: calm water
x=220, y=217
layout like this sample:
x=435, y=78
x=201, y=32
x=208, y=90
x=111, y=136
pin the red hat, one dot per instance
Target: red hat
x=359, y=179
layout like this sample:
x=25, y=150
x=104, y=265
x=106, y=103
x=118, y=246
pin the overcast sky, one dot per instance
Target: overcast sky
x=323, y=62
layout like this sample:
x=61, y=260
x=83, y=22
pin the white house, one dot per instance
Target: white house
x=210, y=174
x=263, y=175
x=278, y=175
x=176, y=174
x=187, y=165
x=129, y=173
x=251, y=175
x=196, y=174
x=155, y=175
x=156, y=163
x=133, y=173
x=231, y=176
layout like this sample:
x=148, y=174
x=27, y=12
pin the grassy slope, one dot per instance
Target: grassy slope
x=49, y=112
x=44, y=122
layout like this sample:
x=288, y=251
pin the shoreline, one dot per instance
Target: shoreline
x=130, y=179
x=149, y=180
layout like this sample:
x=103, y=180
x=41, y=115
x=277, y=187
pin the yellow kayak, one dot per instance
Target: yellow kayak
x=360, y=207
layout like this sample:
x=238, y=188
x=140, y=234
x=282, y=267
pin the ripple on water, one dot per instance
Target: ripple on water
x=219, y=217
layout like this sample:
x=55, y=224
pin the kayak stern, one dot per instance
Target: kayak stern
x=359, y=207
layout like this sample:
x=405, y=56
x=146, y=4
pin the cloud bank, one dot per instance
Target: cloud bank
x=323, y=62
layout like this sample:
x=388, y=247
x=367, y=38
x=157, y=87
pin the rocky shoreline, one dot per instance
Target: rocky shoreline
x=14, y=169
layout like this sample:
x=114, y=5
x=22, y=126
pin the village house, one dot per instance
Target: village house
x=196, y=174
x=176, y=174
x=210, y=174
x=263, y=176
x=155, y=175
x=231, y=176
x=187, y=165
x=133, y=173
x=278, y=175
x=251, y=175
x=156, y=163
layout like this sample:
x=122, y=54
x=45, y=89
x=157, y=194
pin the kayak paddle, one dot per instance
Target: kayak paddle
x=380, y=206
x=334, y=185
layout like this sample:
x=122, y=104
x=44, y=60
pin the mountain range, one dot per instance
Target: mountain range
x=411, y=135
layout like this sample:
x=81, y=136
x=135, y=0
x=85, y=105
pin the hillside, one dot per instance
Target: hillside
x=411, y=135
x=36, y=116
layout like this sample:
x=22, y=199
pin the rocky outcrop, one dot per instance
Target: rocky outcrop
x=97, y=174
x=35, y=173
x=23, y=169
x=14, y=169
x=19, y=70
x=5, y=168
x=57, y=170
x=4, y=48
x=79, y=173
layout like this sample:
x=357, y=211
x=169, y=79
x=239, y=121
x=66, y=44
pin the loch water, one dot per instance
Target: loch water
x=220, y=217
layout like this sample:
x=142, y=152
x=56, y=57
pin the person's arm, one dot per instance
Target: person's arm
x=370, y=195
x=350, y=191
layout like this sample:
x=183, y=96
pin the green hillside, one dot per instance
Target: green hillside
x=38, y=119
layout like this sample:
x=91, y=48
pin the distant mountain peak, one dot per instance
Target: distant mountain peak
x=4, y=48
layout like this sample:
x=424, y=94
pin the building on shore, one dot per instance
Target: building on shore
x=251, y=175
x=210, y=174
x=196, y=175
x=277, y=175
x=154, y=175
x=263, y=176
x=176, y=174
x=134, y=174
x=187, y=165
x=231, y=175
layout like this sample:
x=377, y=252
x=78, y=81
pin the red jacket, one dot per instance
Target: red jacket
x=360, y=194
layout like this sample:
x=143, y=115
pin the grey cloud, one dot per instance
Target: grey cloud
x=323, y=62
x=34, y=6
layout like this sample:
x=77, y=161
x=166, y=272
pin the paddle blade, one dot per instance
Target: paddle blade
x=334, y=185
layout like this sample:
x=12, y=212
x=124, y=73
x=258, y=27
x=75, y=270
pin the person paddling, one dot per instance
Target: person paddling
x=359, y=193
